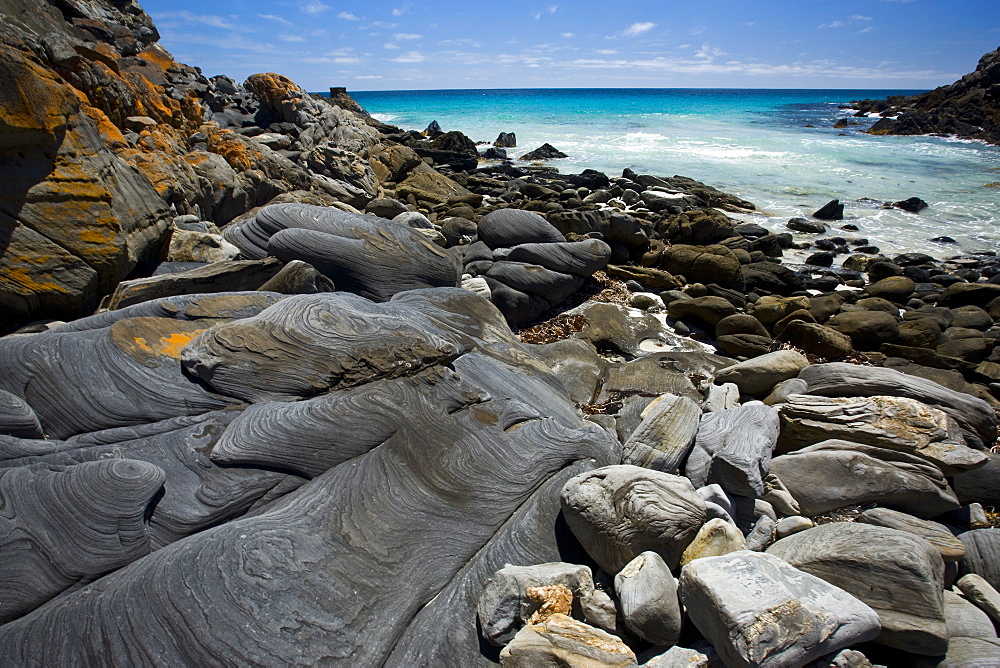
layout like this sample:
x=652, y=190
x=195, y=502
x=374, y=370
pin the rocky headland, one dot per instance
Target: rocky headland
x=282, y=384
x=968, y=108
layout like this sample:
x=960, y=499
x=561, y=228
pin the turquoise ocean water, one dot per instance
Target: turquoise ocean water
x=753, y=143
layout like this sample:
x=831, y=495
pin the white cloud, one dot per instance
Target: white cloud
x=390, y=45
x=859, y=17
x=567, y=35
x=697, y=31
x=637, y=29
x=405, y=9
x=708, y=52
x=868, y=29
x=410, y=57
x=347, y=16
x=287, y=37
x=832, y=24
x=272, y=17
x=683, y=46
x=346, y=61
x=343, y=51
x=314, y=7
x=205, y=19
x=400, y=36
x=369, y=76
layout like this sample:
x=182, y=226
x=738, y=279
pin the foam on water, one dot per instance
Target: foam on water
x=753, y=143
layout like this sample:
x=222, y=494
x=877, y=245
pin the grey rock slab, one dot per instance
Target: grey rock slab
x=380, y=559
x=665, y=436
x=757, y=610
x=845, y=658
x=633, y=333
x=563, y=641
x=840, y=379
x=721, y=397
x=834, y=473
x=618, y=512
x=298, y=278
x=223, y=276
x=901, y=576
x=758, y=376
x=982, y=555
x=785, y=389
x=12, y=447
x=576, y=364
x=965, y=619
x=678, y=657
x=762, y=534
x=533, y=279
x=787, y=526
x=65, y=525
x=896, y=423
x=647, y=598
x=981, y=593
x=197, y=494
x=580, y=258
x=733, y=448
x=504, y=606
x=17, y=419
x=506, y=228
x=938, y=535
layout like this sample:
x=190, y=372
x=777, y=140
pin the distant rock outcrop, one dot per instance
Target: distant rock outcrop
x=969, y=108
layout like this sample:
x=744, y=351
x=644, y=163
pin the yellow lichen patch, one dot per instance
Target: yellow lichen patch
x=33, y=103
x=151, y=341
x=157, y=57
x=97, y=235
x=110, y=134
x=19, y=277
x=238, y=154
x=554, y=599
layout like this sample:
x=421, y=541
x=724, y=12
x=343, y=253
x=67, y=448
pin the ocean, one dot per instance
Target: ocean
x=775, y=148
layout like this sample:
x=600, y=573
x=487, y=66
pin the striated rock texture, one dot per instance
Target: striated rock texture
x=425, y=479
x=969, y=108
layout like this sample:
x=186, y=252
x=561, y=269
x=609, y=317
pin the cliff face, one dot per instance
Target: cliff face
x=969, y=108
x=105, y=138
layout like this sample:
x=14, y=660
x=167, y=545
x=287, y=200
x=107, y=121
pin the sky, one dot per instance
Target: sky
x=413, y=45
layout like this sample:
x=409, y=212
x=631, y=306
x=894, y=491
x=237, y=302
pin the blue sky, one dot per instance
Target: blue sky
x=403, y=44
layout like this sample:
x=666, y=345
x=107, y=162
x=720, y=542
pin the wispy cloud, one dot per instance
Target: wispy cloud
x=568, y=35
x=606, y=52
x=314, y=7
x=273, y=17
x=405, y=9
x=709, y=52
x=368, y=76
x=410, y=57
x=204, y=19
x=347, y=16
x=390, y=45
x=831, y=24
x=400, y=36
x=289, y=37
x=637, y=29
x=859, y=17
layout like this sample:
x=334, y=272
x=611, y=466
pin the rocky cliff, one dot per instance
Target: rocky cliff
x=969, y=108
x=105, y=138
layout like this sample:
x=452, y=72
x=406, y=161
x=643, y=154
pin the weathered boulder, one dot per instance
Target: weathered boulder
x=563, y=641
x=647, y=595
x=896, y=423
x=855, y=473
x=703, y=264
x=618, y=512
x=733, y=448
x=901, y=576
x=816, y=339
x=715, y=538
x=758, y=376
x=982, y=554
x=938, y=535
x=756, y=610
x=665, y=436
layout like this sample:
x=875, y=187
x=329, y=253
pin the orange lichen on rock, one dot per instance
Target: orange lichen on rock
x=34, y=104
x=110, y=134
x=273, y=89
x=148, y=340
x=238, y=154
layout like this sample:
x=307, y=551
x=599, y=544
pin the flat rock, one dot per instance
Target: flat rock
x=505, y=607
x=853, y=473
x=563, y=641
x=647, y=595
x=950, y=547
x=896, y=423
x=665, y=436
x=982, y=594
x=618, y=512
x=758, y=376
x=757, y=610
x=982, y=554
x=840, y=379
x=733, y=448
x=901, y=576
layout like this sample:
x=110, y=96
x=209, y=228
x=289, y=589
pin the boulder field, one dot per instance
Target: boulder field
x=282, y=384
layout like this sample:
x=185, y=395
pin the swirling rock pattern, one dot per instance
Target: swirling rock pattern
x=505, y=228
x=733, y=448
x=198, y=494
x=330, y=554
x=367, y=255
x=16, y=417
x=62, y=525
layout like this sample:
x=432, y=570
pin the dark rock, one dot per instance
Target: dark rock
x=298, y=278
x=544, y=152
x=913, y=205
x=699, y=227
x=505, y=228
x=821, y=259
x=772, y=278
x=943, y=240
x=506, y=140
x=881, y=270
x=493, y=153
x=866, y=329
x=384, y=207
x=832, y=210
x=17, y=419
x=982, y=554
x=707, y=311
x=807, y=226
x=817, y=339
x=968, y=294
x=433, y=129
x=909, y=259
x=708, y=264
x=740, y=323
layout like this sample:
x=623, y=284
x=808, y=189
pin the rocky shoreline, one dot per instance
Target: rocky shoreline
x=968, y=108
x=285, y=384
